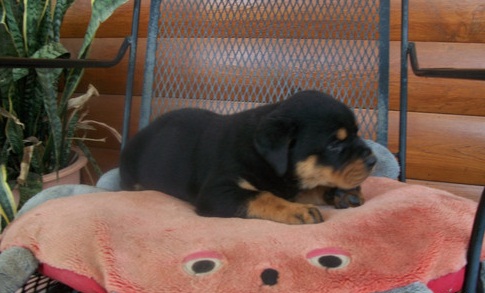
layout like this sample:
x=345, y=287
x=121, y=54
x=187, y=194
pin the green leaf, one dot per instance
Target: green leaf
x=45, y=31
x=7, y=47
x=51, y=50
x=8, y=209
x=32, y=186
x=48, y=81
x=12, y=23
x=90, y=157
x=14, y=130
x=60, y=10
x=19, y=73
x=101, y=11
x=34, y=13
x=5, y=79
x=15, y=136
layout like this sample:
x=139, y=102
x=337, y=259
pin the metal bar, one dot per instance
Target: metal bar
x=477, y=74
x=472, y=271
x=403, y=104
x=148, y=75
x=131, y=73
x=383, y=95
x=14, y=62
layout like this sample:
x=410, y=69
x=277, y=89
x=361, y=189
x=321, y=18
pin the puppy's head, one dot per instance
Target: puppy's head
x=314, y=136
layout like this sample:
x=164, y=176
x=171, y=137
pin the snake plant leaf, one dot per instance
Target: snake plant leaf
x=59, y=11
x=14, y=129
x=7, y=114
x=101, y=11
x=8, y=209
x=15, y=136
x=12, y=21
x=7, y=47
x=52, y=50
x=49, y=51
x=47, y=79
x=5, y=80
x=34, y=13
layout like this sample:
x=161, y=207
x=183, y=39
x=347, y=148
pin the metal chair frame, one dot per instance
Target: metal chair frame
x=408, y=50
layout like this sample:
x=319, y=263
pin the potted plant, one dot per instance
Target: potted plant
x=40, y=118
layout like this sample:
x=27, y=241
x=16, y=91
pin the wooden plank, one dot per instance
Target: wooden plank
x=441, y=95
x=442, y=21
x=432, y=95
x=447, y=148
x=431, y=20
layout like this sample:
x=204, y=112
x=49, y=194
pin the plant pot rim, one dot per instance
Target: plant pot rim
x=67, y=175
x=77, y=165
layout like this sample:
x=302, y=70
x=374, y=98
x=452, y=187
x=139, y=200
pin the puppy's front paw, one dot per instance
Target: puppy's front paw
x=270, y=207
x=303, y=214
x=348, y=198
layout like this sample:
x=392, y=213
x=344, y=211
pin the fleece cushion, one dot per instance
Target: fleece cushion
x=150, y=242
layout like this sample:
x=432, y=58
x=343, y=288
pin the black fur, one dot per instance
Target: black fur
x=201, y=157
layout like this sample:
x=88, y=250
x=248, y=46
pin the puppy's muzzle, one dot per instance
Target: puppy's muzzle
x=370, y=161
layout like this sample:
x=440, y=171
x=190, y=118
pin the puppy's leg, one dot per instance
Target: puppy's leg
x=266, y=205
x=234, y=201
x=339, y=198
x=314, y=196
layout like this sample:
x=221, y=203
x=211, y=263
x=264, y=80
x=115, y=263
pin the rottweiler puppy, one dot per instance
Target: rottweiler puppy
x=274, y=162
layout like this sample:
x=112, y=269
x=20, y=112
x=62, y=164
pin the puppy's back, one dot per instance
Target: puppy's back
x=160, y=155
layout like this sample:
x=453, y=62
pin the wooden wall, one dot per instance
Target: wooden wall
x=446, y=124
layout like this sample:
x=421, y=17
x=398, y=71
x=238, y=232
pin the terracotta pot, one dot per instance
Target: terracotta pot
x=69, y=175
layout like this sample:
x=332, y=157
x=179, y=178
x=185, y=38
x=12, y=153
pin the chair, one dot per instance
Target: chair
x=231, y=55
x=228, y=56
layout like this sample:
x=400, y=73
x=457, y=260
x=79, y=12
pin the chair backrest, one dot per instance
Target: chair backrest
x=231, y=55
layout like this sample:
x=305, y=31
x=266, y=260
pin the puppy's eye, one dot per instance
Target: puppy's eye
x=335, y=146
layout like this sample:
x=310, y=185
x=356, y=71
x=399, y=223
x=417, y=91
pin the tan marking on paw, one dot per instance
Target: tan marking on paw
x=270, y=207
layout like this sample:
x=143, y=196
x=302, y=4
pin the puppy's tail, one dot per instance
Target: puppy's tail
x=126, y=182
x=128, y=178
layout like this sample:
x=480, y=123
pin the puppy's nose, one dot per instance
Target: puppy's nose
x=370, y=161
x=270, y=277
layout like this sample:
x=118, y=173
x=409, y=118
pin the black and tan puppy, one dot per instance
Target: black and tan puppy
x=273, y=162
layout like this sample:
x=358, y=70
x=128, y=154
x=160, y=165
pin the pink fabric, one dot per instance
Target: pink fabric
x=147, y=242
x=71, y=278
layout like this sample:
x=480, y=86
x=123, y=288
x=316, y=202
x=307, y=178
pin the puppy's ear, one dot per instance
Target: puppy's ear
x=272, y=141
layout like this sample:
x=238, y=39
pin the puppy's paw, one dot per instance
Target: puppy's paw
x=348, y=198
x=303, y=214
x=270, y=207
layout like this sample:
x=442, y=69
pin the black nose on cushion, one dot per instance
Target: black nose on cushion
x=370, y=161
x=368, y=156
x=270, y=277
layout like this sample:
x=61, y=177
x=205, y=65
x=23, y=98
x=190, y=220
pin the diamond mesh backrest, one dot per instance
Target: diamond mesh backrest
x=231, y=55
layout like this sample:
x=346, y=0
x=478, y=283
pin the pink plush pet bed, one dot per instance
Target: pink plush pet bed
x=149, y=242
